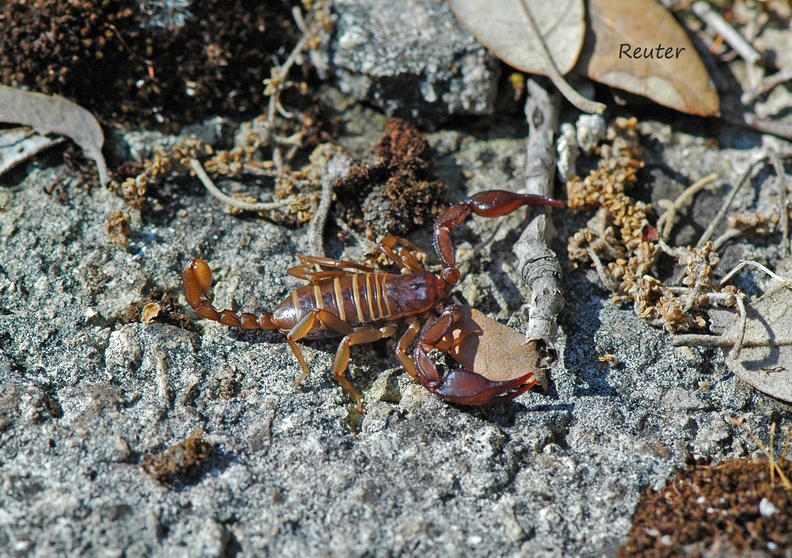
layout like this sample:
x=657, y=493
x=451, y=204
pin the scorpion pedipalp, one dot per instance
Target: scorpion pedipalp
x=460, y=385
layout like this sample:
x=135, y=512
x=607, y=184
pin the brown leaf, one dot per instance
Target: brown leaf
x=499, y=353
x=57, y=115
x=674, y=76
x=765, y=360
x=535, y=36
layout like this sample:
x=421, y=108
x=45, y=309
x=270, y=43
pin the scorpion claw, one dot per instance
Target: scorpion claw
x=468, y=388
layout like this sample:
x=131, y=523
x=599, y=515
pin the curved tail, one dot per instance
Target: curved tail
x=197, y=280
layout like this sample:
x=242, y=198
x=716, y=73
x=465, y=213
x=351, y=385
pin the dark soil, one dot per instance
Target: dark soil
x=394, y=191
x=146, y=62
x=706, y=510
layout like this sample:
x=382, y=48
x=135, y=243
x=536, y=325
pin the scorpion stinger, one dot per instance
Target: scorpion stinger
x=362, y=304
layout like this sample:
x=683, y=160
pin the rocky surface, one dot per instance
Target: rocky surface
x=412, y=59
x=85, y=396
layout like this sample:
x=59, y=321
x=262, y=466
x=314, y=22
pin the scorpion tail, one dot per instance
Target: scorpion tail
x=197, y=281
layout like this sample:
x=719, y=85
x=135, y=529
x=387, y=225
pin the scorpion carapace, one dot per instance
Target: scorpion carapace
x=363, y=305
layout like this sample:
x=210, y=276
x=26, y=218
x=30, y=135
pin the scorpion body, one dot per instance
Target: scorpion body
x=363, y=305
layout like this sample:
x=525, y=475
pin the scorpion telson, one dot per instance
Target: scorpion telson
x=363, y=305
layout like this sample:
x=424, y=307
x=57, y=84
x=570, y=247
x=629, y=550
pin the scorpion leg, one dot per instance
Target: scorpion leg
x=361, y=335
x=413, y=328
x=304, y=327
x=460, y=385
x=307, y=271
x=405, y=259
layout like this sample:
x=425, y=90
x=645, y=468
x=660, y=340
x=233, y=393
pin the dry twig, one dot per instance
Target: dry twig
x=538, y=265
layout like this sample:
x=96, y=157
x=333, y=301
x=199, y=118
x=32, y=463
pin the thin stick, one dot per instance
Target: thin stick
x=538, y=265
x=715, y=21
x=768, y=84
x=786, y=445
x=772, y=453
x=197, y=167
x=764, y=125
x=578, y=100
x=336, y=168
x=767, y=453
x=703, y=340
x=727, y=235
x=727, y=203
x=738, y=343
x=743, y=263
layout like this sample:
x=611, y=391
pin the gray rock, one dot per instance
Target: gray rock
x=411, y=59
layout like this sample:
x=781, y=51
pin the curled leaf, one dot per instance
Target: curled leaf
x=765, y=359
x=17, y=145
x=639, y=47
x=54, y=114
x=499, y=353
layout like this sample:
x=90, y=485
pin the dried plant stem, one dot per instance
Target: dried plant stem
x=578, y=100
x=197, y=167
x=726, y=278
x=786, y=446
x=666, y=221
x=337, y=168
x=768, y=453
x=778, y=166
x=727, y=203
x=764, y=125
x=738, y=344
x=704, y=340
x=538, y=265
x=768, y=84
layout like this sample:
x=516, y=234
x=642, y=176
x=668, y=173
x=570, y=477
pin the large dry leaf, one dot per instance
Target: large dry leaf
x=535, y=36
x=674, y=77
x=57, y=115
x=505, y=27
x=765, y=360
x=499, y=353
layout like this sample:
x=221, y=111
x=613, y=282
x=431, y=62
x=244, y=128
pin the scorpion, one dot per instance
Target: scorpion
x=363, y=305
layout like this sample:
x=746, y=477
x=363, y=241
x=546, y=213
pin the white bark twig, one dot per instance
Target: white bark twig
x=538, y=265
x=781, y=176
x=733, y=38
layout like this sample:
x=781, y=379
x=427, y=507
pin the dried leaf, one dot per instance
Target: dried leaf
x=535, y=36
x=674, y=76
x=17, y=145
x=499, y=353
x=150, y=312
x=765, y=360
x=57, y=115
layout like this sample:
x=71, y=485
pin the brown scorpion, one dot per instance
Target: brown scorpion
x=362, y=305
